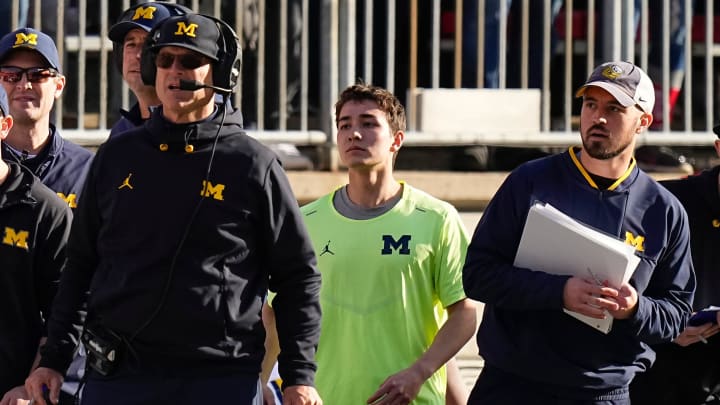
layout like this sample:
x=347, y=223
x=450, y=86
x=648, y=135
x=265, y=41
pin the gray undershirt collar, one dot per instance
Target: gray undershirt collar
x=347, y=208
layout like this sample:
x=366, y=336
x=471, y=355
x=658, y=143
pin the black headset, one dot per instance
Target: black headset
x=226, y=71
x=127, y=16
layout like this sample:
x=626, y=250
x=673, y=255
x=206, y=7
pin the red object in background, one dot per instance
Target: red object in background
x=698, y=29
x=447, y=24
x=579, y=24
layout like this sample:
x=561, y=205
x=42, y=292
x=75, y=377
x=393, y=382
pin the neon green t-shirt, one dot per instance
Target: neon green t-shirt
x=385, y=284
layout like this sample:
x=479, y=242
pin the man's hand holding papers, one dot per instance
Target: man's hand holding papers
x=587, y=297
x=598, y=264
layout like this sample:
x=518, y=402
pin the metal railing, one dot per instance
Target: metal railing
x=298, y=55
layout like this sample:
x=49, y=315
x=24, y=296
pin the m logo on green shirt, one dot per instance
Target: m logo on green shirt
x=401, y=245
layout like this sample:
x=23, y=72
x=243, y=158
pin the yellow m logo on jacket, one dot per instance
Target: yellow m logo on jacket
x=15, y=238
x=70, y=199
x=184, y=29
x=636, y=241
x=215, y=191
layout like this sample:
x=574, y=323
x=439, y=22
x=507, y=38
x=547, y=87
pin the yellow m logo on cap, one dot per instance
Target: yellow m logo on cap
x=21, y=38
x=15, y=238
x=145, y=13
x=184, y=29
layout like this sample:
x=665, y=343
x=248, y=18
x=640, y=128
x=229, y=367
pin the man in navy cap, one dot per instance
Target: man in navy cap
x=128, y=35
x=534, y=352
x=185, y=223
x=34, y=227
x=31, y=75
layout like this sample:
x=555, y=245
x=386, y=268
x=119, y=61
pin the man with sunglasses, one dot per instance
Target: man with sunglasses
x=184, y=225
x=128, y=36
x=34, y=227
x=30, y=74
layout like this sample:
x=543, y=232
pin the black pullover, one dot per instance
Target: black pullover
x=244, y=233
x=34, y=227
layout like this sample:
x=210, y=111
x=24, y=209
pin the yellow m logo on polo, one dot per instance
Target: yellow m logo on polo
x=214, y=191
x=638, y=242
x=70, y=199
x=21, y=38
x=184, y=29
x=146, y=13
x=14, y=238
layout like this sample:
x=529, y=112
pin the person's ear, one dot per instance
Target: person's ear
x=5, y=124
x=398, y=139
x=59, y=85
x=645, y=120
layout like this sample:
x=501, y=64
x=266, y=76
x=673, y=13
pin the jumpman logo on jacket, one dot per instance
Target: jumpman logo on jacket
x=126, y=182
x=326, y=249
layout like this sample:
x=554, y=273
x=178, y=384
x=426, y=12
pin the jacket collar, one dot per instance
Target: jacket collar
x=619, y=184
x=223, y=121
x=133, y=114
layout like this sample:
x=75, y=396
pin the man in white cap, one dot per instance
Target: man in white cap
x=533, y=351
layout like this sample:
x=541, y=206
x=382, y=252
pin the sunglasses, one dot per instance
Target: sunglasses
x=186, y=60
x=13, y=74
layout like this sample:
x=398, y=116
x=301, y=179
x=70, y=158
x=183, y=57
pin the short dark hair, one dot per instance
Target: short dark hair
x=387, y=102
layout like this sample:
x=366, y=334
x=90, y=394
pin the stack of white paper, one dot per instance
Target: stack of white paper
x=558, y=244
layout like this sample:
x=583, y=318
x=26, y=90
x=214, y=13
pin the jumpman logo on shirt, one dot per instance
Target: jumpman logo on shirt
x=126, y=182
x=326, y=249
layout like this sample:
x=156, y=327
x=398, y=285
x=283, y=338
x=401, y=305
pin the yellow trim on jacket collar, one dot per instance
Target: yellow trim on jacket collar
x=589, y=179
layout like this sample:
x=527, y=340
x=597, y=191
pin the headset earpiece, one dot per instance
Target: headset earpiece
x=148, y=70
x=228, y=68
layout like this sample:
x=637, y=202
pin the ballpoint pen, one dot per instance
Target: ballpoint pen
x=599, y=284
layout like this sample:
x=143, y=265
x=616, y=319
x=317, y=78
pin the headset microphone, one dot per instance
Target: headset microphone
x=193, y=85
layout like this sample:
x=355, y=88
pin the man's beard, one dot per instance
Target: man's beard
x=603, y=151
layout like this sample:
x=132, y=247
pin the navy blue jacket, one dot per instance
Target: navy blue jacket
x=61, y=165
x=34, y=227
x=699, y=195
x=524, y=330
x=222, y=222
x=128, y=120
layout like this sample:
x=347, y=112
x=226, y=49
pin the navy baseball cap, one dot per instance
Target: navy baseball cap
x=624, y=81
x=4, y=106
x=30, y=38
x=144, y=16
x=195, y=32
